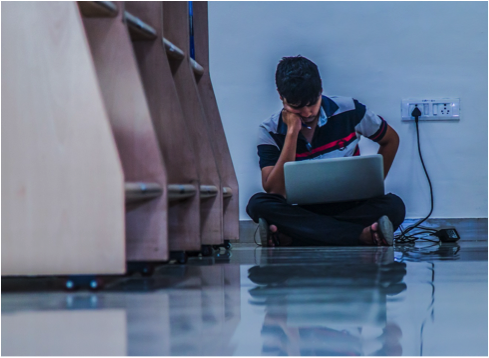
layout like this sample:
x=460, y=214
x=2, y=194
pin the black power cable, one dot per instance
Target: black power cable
x=404, y=237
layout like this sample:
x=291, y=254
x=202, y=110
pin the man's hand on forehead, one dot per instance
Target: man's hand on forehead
x=292, y=120
x=288, y=105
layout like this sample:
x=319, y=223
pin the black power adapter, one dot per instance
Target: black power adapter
x=447, y=235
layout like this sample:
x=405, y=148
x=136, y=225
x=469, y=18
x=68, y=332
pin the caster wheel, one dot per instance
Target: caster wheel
x=180, y=257
x=193, y=253
x=228, y=245
x=70, y=285
x=183, y=259
x=226, y=255
x=206, y=250
x=96, y=284
x=144, y=268
x=147, y=271
x=83, y=282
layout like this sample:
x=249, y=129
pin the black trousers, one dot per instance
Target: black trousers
x=325, y=224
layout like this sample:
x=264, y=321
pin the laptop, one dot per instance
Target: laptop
x=334, y=180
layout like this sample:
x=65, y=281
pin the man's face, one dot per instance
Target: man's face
x=307, y=113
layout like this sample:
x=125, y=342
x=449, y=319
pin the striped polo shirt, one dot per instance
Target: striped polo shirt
x=342, y=120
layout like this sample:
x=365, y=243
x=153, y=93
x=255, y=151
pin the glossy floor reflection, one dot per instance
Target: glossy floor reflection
x=407, y=300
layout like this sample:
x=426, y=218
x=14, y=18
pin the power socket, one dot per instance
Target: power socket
x=442, y=107
x=439, y=109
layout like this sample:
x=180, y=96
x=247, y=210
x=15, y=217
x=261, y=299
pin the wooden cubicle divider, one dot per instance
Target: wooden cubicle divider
x=139, y=152
x=63, y=187
x=176, y=33
x=208, y=99
x=119, y=119
x=171, y=129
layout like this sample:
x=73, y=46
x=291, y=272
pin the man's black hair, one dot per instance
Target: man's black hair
x=298, y=81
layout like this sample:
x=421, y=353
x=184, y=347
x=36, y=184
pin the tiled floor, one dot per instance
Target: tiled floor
x=406, y=300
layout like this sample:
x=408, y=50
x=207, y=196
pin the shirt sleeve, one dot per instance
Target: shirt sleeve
x=268, y=150
x=371, y=125
x=268, y=154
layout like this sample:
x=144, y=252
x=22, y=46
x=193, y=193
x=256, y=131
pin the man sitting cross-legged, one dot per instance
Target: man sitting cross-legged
x=313, y=126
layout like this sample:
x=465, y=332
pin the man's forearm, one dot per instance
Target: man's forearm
x=388, y=148
x=388, y=152
x=275, y=183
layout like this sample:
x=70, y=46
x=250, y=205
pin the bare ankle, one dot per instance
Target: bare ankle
x=365, y=237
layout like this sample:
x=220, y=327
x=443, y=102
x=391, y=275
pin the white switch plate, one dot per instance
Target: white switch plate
x=434, y=109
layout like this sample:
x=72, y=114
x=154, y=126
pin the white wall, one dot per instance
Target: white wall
x=378, y=53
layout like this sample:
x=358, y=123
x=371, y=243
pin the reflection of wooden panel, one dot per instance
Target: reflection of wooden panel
x=207, y=311
x=221, y=149
x=187, y=336
x=122, y=90
x=170, y=126
x=148, y=317
x=65, y=333
x=232, y=300
x=63, y=194
x=213, y=310
x=176, y=25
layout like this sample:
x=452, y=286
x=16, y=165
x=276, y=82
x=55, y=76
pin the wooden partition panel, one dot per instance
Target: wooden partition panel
x=176, y=30
x=122, y=90
x=214, y=123
x=63, y=193
x=171, y=128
